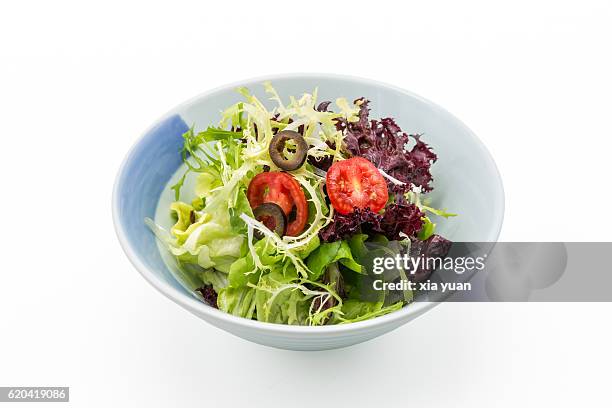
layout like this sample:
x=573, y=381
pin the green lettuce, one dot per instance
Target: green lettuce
x=279, y=300
x=285, y=298
x=237, y=301
x=209, y=233
x=427, y=230
x=328, y=253
x=356, y=311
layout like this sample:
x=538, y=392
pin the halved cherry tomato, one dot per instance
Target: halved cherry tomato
x=356, y=183
x=284, y=190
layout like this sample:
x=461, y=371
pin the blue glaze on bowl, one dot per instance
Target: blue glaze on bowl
x=148, y=168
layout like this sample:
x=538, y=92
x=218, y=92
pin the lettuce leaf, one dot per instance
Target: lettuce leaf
x=210, y=233
x=384, y=144
x=285, y=298
x=217, y=279
x=328, y=253
x=237, y=301
x=243, y=271
x=427, y=230
x=439, y=212
x=357, y=311
x=279, y=300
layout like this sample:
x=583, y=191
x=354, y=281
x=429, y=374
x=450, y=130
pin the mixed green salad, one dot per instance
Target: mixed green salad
x=286, y=202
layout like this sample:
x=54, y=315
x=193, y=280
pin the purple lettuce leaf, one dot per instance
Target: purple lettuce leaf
x=433, y=247
x=343, y=226
x=384, y=144
x=209, y=295
x=398, y=218
x=403, y=218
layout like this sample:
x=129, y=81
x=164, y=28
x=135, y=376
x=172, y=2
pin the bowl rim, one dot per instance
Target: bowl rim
x=194, y=305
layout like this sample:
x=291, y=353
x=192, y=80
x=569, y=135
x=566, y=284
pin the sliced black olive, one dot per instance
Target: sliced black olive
x=272, y=216
x=297, y=150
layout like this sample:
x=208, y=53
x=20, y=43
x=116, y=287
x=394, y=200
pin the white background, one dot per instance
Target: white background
x=78, y=84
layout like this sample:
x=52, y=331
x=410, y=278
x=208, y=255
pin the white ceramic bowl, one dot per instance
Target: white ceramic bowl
x=466, y=182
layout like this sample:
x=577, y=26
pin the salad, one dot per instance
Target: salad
x=287, y=201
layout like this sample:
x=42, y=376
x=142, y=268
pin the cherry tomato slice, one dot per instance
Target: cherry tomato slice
x=356, y=182
x=285, y=191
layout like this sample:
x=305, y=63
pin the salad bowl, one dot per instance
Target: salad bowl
x=466, y=181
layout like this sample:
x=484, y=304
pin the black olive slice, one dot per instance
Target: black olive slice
x=297, y=151
x=272, y=216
